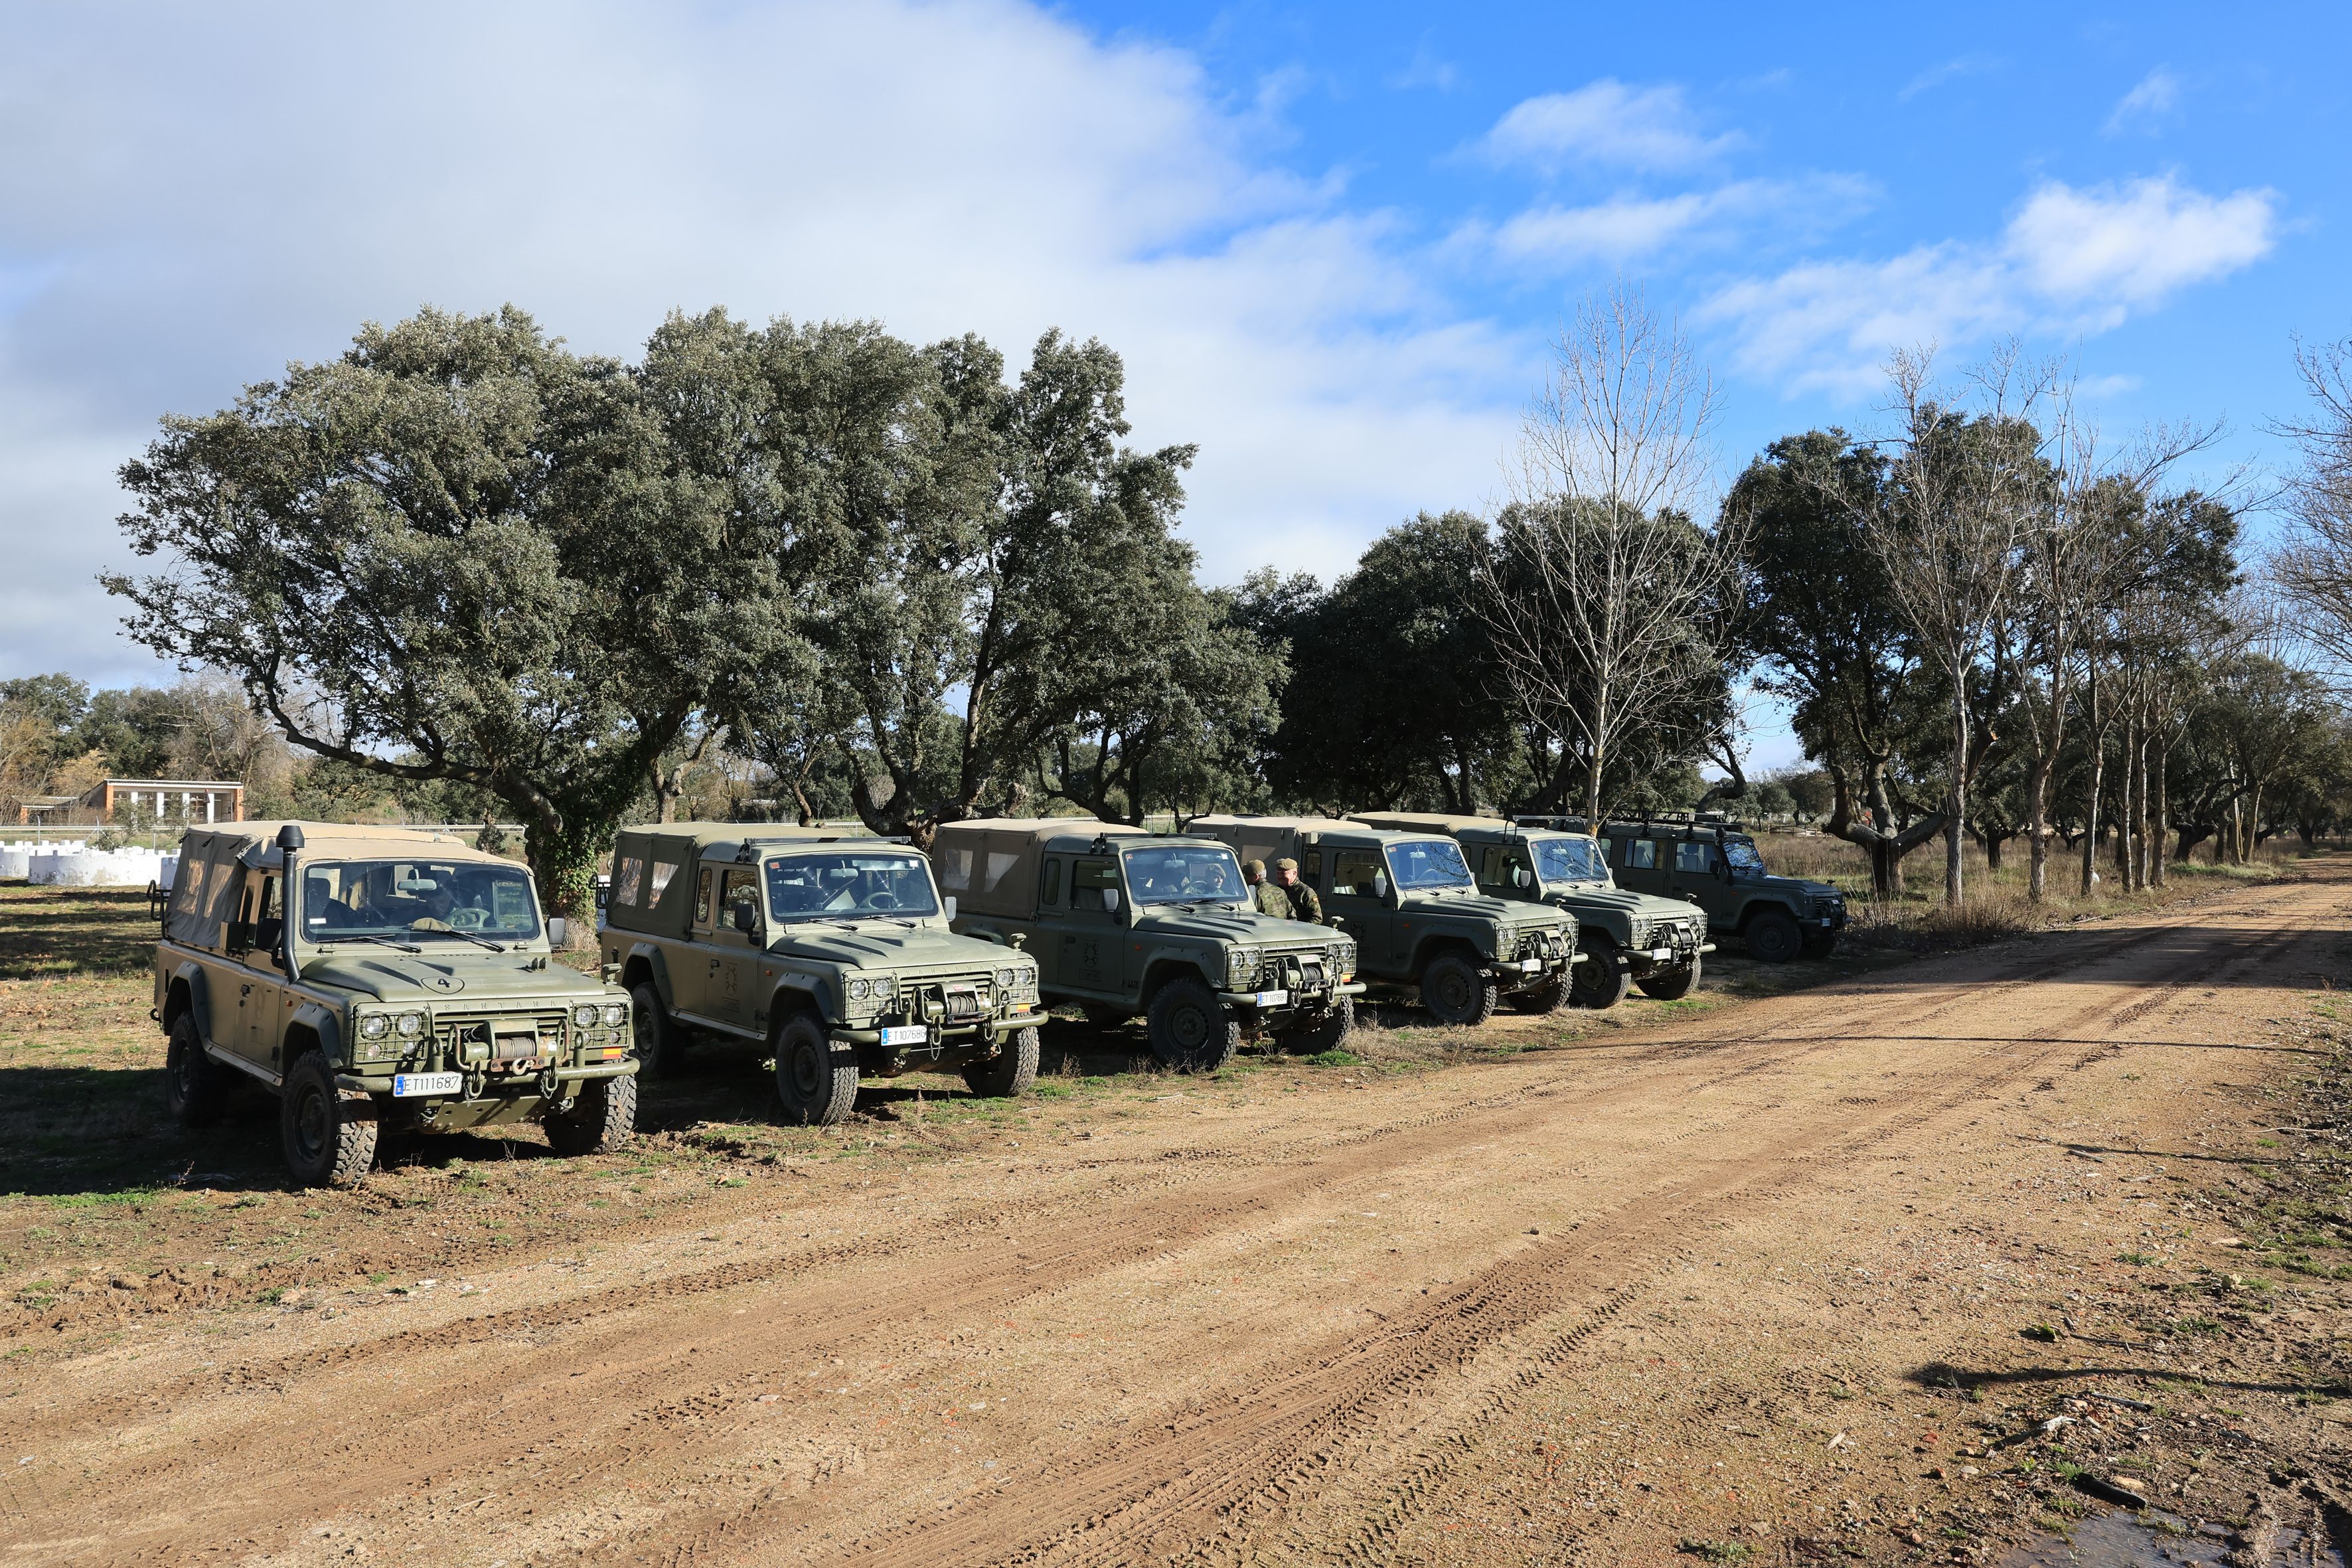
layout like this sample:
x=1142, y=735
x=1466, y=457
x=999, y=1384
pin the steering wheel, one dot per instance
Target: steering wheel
x=469, y=918
x=883, y=902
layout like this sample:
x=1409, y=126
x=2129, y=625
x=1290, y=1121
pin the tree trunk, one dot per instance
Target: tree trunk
x=2090, y=814
x=2160, y=829
x=563, y=860
x=1953, y=885
x=2037, y=826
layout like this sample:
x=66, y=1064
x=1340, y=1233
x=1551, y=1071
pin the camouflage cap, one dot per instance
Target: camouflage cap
x=1286, y=864
x=1254, y=869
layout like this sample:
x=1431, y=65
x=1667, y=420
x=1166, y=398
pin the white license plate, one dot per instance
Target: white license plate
x=906, y=1034
x=1660, y=954
x=1274, y=998
x=1530, y=965
x=408, y=1085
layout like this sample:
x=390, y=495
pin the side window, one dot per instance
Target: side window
x=629, y=880
x=267, y=918
x=1094, y=884
x=1049, y=891
x=1357, y=873
x=1311, y=870
x=1693, y=856
x=955, y=871
x=739, y=886
x=1642, y=854
x=702, y=900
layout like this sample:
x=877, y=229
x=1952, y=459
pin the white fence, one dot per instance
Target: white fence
x=71, y=863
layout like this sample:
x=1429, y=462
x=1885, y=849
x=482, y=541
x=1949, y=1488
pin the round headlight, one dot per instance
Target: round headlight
x=1004, y=978
x=411, y=1025
x=884, y=986
x=376, y=1026
x=584, y=1014
x=857, y=989
x=615, y=1014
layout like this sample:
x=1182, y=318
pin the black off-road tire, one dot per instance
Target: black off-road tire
x=1545, y=996
x=604, y=1116
x=816, y=1077
x=1337, y=1022
x=1671, y=984
x=1191, y=1031
x=1009, y=1072
x=330, y=1140
x=1601, y=981
x=195, y=1087
x=1453, y=989
x=1821, y=944
x=1772, y=936
x=660, y=1043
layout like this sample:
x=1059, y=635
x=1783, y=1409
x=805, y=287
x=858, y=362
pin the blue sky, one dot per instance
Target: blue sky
x=1330, y=240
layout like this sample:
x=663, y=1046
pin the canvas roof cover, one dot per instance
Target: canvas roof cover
x=989, y=866
x=653, y=876
x=212, y=861
x=1429, y=822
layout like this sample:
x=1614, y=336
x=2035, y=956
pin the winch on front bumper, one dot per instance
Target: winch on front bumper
x=932, y=1019
x=1280, y=983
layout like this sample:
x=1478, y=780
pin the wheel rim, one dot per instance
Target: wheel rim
x=1776, y=940
x=1190, y=1028
x=311, y=1123
x=1454, y=990
x=804, y=1071
x=183, y=1075
x=641, y=1030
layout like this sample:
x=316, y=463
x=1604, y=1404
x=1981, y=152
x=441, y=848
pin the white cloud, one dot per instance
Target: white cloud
x=198, y=196
x=2071, y=260
x=1626, y=228
x=1604, y=123
x=1952, y=69
x=2145, y=105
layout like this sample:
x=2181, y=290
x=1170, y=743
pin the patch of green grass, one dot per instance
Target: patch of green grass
x=1335, y=1059
x=1052, y=1090
x=271, y=1296
x=2136, y=1259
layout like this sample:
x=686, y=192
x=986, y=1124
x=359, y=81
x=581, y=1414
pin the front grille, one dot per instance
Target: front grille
x=512, y=1036
x=947, y=1002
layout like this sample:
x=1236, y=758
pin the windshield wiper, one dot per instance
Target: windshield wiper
x=385, y=941
x=469, y=936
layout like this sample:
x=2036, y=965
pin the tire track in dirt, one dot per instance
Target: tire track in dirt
x=1126, y=1233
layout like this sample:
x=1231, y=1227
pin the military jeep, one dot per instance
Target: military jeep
x=831, y=950
x=1124, y=921
x=1420, y=922
x=1711, y=862
x=373, y=977
x=1624, y=939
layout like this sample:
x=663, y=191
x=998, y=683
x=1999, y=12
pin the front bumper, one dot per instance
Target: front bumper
x=938, y=1034
x=1292, y=1001
x=480, y=1083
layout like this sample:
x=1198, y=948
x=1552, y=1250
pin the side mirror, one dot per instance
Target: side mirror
x=559, y=930
x=1110, y=900
x=746, y=919
x=236, y=936
x=948, y=904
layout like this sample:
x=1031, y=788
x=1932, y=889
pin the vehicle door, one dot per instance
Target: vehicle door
x=1502, y=870
x=1360, y=894
x=734, y=967
x=218, y=899
x=1091, y=954
x=1695, y=872
x=694, y=972
x=261, y=985
x=1051, y=919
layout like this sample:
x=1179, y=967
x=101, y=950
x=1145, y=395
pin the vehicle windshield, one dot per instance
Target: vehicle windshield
x=1184, y=874
x=1741, y=853
x=346, y=900
x=1561, y=860
x=850, y=885
x=1428, y=863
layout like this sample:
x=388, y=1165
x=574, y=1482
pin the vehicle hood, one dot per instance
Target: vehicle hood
x=476, y=978
x=1476, y=907
x=885, y=946
x=1217, y=924
x=1798, y=886
x=1591, y=900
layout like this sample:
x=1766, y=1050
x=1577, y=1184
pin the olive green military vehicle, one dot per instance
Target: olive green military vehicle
x=831, y=950
x=1419, y=920
x=1624, y=937
x=374, y=978
x=1711, y=862
x=1126, y=922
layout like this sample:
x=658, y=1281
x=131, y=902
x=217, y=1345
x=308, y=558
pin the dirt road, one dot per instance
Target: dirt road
x=1710, y=1286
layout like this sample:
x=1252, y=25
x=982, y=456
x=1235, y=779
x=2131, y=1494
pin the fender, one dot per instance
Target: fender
x=801, y=992
x=659, y=965
x=192, y=974
x=1432, y=943
x=1756, y=906
x=1164, y=963
x=328, y=1025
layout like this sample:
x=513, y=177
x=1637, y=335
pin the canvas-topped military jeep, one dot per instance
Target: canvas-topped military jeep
x=831, y=949
x=1624, y=937
x=375, y=977
x=1124, y=921
x=1711, y=862
x=1419, y=920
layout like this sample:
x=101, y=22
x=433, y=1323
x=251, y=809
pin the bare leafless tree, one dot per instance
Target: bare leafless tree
x=1602, y=597
x=2312, y=562
x=1968, y=487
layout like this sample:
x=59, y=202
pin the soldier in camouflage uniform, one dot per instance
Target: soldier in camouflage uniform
x=1270, y=899
x=1304, y=903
